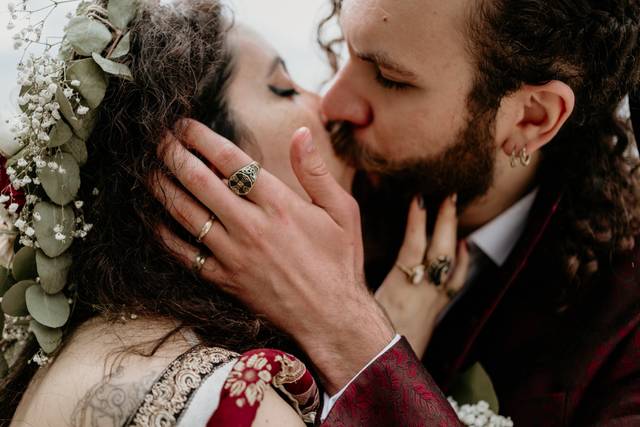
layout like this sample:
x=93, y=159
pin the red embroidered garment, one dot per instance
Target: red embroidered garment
x=256, y=370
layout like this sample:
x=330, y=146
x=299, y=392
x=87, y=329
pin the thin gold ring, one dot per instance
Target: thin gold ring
x=199, y=262
x=206, y=228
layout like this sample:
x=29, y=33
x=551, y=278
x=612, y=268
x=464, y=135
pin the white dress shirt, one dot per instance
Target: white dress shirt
x=494, y=242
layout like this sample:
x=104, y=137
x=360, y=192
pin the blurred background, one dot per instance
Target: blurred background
x=290, y=25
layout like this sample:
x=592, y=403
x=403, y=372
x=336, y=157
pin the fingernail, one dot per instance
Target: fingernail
x=454, y=198
x=308, y=144
x=421, y=201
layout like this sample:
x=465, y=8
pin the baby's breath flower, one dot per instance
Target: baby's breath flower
x=75, y=83
x=79, y=204
x=13, y=208
x=82, y=110
x=58, y=228
x=37, y=216
x=30, y=232
x=4, y=198
x=60, y=237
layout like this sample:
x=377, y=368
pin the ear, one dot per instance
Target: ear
x=535, y=114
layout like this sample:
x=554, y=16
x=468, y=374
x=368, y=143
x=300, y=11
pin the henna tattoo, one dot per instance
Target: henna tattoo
x=112, y=401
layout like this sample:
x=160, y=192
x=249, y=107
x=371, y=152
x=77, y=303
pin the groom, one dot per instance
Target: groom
x=512, y=105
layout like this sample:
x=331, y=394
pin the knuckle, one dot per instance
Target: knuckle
x=198, y=178
x=227, y=154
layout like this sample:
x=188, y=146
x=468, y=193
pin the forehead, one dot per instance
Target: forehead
x=248, y=45
x=414, y=30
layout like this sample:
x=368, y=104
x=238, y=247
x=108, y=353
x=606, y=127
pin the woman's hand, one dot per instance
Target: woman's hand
x=414, y=308
x=298, y=263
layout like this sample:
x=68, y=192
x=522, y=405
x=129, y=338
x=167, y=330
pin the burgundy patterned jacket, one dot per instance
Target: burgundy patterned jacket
x=575, y=367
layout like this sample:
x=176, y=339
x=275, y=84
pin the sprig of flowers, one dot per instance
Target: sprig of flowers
x=59, y=98
x=479, y=415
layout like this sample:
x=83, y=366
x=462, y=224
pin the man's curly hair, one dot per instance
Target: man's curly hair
x=593, y=46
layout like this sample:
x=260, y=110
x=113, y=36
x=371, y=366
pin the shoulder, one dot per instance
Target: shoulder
x=275, y=411
x=103, y=373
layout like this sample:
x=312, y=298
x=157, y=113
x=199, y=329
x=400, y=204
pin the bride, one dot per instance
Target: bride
x=148, y=342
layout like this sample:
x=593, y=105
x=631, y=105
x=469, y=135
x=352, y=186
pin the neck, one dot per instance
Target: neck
x=510, y=185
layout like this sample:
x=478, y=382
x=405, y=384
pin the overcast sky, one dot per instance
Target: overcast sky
x=288, y=24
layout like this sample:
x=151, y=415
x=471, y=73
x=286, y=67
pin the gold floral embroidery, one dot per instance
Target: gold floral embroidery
x=168, y=397
x=242, y=381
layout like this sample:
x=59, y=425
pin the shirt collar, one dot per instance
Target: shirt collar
x=497, y=238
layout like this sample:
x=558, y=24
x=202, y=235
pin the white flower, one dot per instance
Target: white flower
x=20, y=223
x=52, y=165
x=82, y=110
x=11, y=171
x=37, y=216
x=4, y=198
x=30, y=232
x=22, y=162
x=58, y=228
x=62, y=170
x=52, y=88
x=95, y=192
x=87, y=227
x=79, y=204
x=40, y=163
x=68, y=93
x=42, y=136
x=13, y=207
x=75, y=83
x=60, y=237
x=36, y=181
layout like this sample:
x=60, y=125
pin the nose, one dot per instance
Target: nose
x=344, y=103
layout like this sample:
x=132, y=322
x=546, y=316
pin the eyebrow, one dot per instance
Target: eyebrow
x=277, y=61
x=384, y=61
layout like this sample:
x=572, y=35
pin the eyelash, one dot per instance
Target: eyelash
x=390, y=84
x=283, y=93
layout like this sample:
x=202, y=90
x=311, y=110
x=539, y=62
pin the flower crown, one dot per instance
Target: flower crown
x=59, y=100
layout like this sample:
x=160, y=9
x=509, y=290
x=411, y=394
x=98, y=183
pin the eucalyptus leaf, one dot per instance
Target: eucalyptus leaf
x=24, y=264
x=50, y=310
x=78, y=149
x=473, y=386
x=4, y=366
x=51, y=215
x=121, y=12
x=9, y=282
x=123, y=47
x=14, y=301
x=87, y=35
x=93, y=82
x=48, y=338
x=62, y=188
x=53, y=272
x=4, y=280
x=87, y=124
x=111, y=67
x=60, y=134
x=66, y=109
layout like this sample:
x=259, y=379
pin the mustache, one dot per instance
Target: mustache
x=356, y=154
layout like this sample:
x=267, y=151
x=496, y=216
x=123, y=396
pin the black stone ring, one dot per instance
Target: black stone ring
x=439, y=269
x=241, y=182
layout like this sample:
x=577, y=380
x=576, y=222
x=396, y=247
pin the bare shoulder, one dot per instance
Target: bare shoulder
x=274, y=411
x=97, y=380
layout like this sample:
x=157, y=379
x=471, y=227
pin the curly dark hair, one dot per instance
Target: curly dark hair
x=181, y=66
x=593, y=46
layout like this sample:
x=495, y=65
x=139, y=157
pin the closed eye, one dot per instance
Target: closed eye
x=283, y=92
x=390, y=84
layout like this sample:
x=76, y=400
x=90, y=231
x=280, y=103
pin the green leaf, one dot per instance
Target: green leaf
x=66, y=109
x=8, y=284
x=473, y=386
x=111, y=67
x=62, y=188
x=87, y=35
x=48, y=338
x=50, y=310
x=59, y=135
x=93, y=82
x=87, y=124
x=24, y=265
x=121, y=12
x=4, y=366
x=53, y=272
x=50, y=216
x=14, y=300
x=123, y=47
x=78, y=149
x=5, y=283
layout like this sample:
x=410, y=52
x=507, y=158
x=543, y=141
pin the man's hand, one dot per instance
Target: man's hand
x=298, y=263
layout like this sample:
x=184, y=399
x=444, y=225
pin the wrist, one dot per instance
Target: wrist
x=342, y=351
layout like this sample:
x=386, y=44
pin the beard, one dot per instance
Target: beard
x=465, y=168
